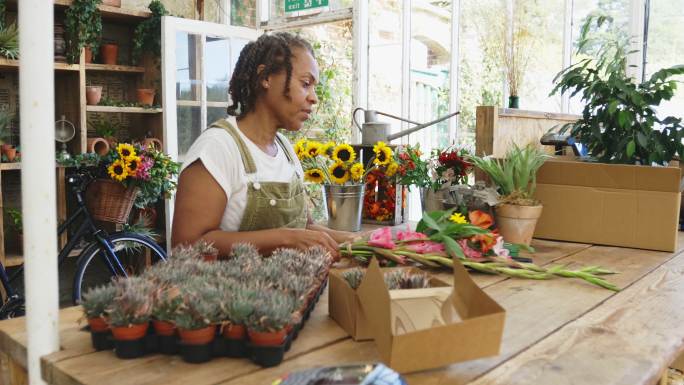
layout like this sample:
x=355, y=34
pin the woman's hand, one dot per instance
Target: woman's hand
x=303, y=239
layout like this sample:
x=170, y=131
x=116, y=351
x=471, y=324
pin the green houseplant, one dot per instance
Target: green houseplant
x=147, y=35
x=619, y=122
x=83, y=28
x=515, y=177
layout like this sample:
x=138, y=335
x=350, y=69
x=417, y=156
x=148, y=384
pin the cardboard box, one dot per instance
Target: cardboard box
x=420, y=329
x=609, y=204
x=344, y=306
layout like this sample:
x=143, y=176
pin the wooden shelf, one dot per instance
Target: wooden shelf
x=129, y=110
x=14, y=65
x=12, y=259
x=114, y=68
x=114, y=13
x=10, y=166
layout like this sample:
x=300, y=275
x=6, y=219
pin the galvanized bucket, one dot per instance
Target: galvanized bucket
x=344, y=205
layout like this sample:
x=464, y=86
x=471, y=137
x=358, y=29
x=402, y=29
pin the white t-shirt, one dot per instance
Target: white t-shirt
x=220, y=155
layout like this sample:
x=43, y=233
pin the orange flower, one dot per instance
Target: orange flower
x=480, y=218
x=487, y=241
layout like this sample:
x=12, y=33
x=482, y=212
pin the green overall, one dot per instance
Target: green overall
x=269, y=204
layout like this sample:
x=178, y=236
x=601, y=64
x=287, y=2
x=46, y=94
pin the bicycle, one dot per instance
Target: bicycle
x=109, y=248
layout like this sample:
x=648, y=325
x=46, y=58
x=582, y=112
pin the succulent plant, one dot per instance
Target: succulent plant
x=200, y=305
x=245, y=250
x=166, y=302
x=354, y=277
x=240, y=304
x=204, y=247
x=96, y=300
x=273, y=310
x=410, y=280
x=132, y=303
x=393, y=279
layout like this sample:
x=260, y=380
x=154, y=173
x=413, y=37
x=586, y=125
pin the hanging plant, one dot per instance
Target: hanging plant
x=83, y=28
x=147, y=36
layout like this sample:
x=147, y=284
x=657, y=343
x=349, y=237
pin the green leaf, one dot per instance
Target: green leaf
x=642, y=139
x=631, y=146
x=452, y=247
x=430, y=222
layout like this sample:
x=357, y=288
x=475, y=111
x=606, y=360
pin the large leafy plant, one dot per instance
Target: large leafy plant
x=83, y=28
x=516, y=175
x=147, y=37
x=619, y=123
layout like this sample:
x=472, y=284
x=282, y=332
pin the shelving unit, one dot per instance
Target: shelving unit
x=119, y=83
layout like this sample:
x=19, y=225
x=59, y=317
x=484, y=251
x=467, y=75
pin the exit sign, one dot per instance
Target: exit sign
x=302, y=5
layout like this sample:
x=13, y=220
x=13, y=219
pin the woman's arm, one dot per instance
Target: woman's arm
x=200, y=203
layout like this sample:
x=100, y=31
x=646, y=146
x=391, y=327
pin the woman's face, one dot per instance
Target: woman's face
x=293, y=110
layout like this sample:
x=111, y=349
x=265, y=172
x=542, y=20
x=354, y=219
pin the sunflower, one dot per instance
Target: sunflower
x=132, y=165
x=125, y=151
x=392, y=169
x=338, y=173
x=343, y=153
x=383, y=154
x=314, y=175
x=326, y=149
x=313, y=148
x=300, y=149
x=458, y=218
x=356, y=171
x=118, y=170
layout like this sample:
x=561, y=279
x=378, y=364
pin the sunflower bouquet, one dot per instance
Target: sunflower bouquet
x=150, y=170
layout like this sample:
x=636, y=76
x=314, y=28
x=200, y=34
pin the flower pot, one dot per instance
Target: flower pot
x=88, y=55
x=235, y=332
x=109, y=53
x=154, y=143
x=112, y=3
x=145, y=96
x=516, y=223
x=98, y=324
x=513, y=101
x=10, y=153
x=201, y=336
x=164, y=328
x=210, y=257
x=93, y=95
x=130, y=333
x=432, y=200
x=344, y=204
x=267, y=338
x=98, y=145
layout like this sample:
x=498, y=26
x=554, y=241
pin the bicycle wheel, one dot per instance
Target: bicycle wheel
x=135, y=252
x=13, y=308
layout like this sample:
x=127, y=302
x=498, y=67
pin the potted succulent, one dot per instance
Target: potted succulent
x=130, y=310
x=515, y=177
x=206, y=250
x=197, y=315
x=166, y=302
x=238, y=304
x=83, y=29
x=272, y=313
x=95, y=303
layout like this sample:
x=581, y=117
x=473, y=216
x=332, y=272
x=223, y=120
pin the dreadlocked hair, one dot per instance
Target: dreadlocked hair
x=274, y=51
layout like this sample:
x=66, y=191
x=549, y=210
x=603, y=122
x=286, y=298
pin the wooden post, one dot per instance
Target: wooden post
x=37, y=111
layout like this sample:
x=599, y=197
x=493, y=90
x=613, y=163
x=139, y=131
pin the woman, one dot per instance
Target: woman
x=241, y=181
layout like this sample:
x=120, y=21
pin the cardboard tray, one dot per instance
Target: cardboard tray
x=421, y=329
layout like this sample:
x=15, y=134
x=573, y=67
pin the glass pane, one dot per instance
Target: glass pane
x=189, y=127
x=215, y=113
x=217, y=70
x=243, y=13
x=384, y=59
x=188, y=80
x=236, y=46
x=666, y=48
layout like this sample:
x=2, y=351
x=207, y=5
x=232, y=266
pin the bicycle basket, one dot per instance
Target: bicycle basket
x=110, y=201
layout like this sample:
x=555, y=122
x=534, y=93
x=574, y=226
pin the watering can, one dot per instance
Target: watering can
x=373, y=130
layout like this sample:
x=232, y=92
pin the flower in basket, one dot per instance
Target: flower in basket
x=148, y=169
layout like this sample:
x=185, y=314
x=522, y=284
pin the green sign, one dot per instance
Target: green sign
x=301, y=5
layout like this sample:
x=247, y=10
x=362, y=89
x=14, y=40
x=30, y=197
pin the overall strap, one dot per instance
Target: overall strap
x=247, y=160
x=284, y=147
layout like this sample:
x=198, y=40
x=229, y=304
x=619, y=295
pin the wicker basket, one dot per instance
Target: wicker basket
x=110, y=201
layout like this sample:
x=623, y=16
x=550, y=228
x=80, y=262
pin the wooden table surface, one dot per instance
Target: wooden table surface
x=557, y=332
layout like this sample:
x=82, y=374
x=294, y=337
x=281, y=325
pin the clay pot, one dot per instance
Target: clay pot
x=198, y=336
x=10, y=153
x=267, y=338
x=145, y=96
x=98, y=145
x=88, y=55
x=98, y=324
x=516, y=223
x=164, y=328
x=235, y=332
x=93, y=95
x=210, y=257
x=112, y=3
x=109, y=53
x=154, y=142
x=130, y=333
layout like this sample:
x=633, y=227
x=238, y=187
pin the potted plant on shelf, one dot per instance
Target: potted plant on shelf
x=106, y=129
x=515, y=177
x=93, y=95
x=9, y=41
x=147, y=35
x=109, y=52
x=84, y=29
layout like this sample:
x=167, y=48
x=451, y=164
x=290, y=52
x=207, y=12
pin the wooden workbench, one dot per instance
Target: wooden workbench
x=557, y=332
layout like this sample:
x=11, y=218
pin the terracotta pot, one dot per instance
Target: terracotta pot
x=154, y=142
x=516, y=223
x=10, y=153
x=112, y=3
x=109, y=53
x=98, y=324
x=235, y=332
x=210, y=257
x=5, y=146
x=268, y=338
x=98, y=146
x=198, y=336
x=145, y=96
x=164, y=328
x=93, y=95
x=130, y=333
x=88, y=55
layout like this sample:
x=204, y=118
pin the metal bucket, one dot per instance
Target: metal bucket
x=344, y=205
